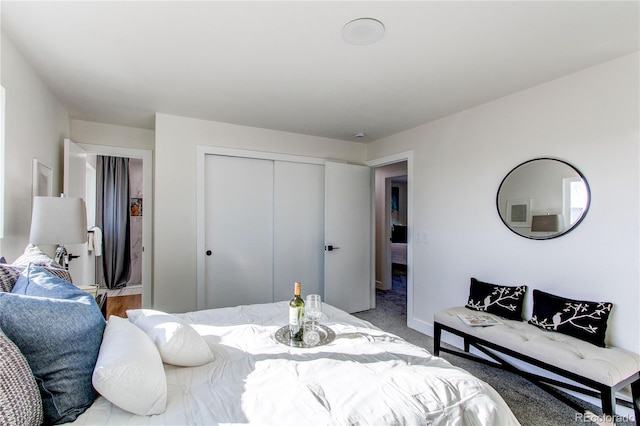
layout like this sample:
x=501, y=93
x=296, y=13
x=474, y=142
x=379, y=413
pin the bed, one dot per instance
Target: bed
x=399, y=244
x=149, y=369
x=365, y=376
x=399, y=253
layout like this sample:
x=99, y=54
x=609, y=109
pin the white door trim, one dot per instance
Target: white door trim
x=147, y=218
x=383, y=161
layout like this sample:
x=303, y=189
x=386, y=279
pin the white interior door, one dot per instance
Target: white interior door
x=75, y=175
x=239, y=231
x=348, y=283
x=298, y=228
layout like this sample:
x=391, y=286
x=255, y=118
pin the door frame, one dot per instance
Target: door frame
x=147, y=218
x=201, y=152
x=384, y=161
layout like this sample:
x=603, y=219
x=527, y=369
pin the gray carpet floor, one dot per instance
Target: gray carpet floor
x=531, y=405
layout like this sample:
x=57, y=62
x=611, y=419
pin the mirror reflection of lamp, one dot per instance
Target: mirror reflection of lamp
x=59, y=220
x=546, y=223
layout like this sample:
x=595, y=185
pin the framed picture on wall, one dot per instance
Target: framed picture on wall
x=42, y=179
x=136, y=207
x=395, y=202
x=519, y=213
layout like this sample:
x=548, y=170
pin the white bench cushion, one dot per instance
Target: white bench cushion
x=608, y=366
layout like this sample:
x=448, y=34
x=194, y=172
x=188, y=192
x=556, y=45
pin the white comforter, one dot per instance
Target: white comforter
x=364, y=377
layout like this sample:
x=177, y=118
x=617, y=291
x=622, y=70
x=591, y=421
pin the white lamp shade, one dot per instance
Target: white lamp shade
x=546, y=223
x=58, y=220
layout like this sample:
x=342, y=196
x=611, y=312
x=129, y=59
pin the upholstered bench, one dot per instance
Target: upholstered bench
x=598, y=371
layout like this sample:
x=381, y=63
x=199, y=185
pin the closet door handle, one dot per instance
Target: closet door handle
x=331, y=248
x=209, y=253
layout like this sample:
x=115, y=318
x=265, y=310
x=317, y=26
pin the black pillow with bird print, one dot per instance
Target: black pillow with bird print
x=500, y=300
x=578, y=318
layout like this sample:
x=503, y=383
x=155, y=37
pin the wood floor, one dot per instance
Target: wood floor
x=118, y=305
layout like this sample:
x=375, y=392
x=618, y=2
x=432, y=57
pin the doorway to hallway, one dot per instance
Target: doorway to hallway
x=80, y=181
x=391, y=252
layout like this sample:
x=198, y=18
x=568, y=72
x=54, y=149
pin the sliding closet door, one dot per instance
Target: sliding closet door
x=239, y=231
x=298, y=243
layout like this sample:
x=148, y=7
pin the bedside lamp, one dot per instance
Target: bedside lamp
x=546, y=223
x=59, y=220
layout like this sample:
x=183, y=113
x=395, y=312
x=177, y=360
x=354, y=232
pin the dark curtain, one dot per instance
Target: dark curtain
x=112, y=216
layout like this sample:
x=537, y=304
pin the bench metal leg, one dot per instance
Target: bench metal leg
x=635, y=399
x=608, y=397
x=437, y=335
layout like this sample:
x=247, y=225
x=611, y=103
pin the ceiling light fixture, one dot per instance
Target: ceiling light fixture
x=362, y=31
x=359, y=135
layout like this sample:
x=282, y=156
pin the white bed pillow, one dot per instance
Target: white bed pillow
x=178, y=343
x=129, y=371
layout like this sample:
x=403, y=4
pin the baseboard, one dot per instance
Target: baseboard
x=421, y=326
x=425, y=327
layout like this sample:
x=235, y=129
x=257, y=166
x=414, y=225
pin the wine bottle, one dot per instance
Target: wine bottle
x=296, y=314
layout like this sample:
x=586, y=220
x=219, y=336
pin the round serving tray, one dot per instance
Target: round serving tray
x=327, y=336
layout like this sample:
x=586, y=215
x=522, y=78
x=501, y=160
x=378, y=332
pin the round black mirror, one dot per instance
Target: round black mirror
x=543, y=198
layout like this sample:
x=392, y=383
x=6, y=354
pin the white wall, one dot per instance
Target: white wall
x=36, y=125
x=590, y=119
x=112, y=135
x=175, y=191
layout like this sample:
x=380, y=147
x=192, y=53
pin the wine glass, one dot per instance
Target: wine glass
x=313, y=307
x=312, y=312
x=310, y=335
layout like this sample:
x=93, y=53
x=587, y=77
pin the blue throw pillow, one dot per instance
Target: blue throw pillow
x=38, y=281
x=58, y=328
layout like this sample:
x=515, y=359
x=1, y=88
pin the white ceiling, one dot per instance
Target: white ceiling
x=284, y=66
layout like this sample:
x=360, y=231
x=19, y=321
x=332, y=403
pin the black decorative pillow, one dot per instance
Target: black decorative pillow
x=500, y=300
x=578, y=318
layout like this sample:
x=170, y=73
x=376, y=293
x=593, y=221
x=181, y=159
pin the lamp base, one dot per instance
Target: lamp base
x=62, y=257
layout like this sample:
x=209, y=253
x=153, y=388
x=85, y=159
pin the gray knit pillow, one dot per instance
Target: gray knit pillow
x=20, y=401
x=60, y=273
x=9, y=274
